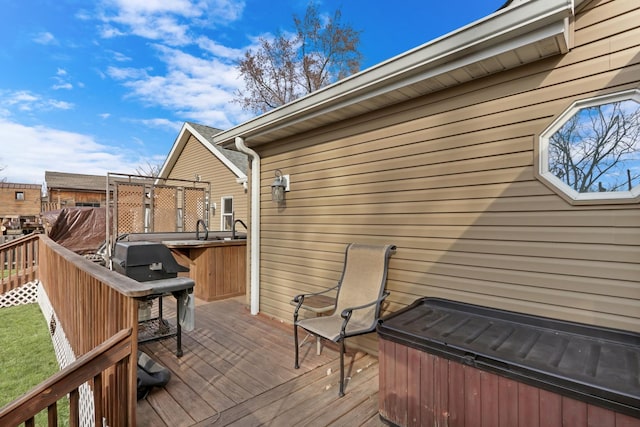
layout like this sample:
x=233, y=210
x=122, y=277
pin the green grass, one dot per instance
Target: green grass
x=5, y=273
x=26, y=356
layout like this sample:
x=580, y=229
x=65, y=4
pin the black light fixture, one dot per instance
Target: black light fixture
x=278, y=187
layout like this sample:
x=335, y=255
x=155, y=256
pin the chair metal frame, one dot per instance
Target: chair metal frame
x=346, y=313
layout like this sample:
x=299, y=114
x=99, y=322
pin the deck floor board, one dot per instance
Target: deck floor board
x=237, y=370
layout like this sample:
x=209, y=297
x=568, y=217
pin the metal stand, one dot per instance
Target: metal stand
x=158, y=328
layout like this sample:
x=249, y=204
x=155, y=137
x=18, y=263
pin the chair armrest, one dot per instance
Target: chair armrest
x=302, y=296
x=347, y=312
x=299, y=299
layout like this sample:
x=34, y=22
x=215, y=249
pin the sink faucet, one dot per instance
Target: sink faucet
x=233, y=230
x=206, y=230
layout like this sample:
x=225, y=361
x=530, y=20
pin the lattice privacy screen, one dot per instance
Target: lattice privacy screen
x=194, y=208
x=165, y=206
x=130, y=208
x=153, y=205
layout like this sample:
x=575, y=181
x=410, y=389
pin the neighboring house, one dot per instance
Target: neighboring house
x=19, y=207
x=194, y=157
x=65, y=190
x=445, y=152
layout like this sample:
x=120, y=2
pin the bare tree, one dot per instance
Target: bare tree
x=598, y=148
x=3, y=179
x=149, y=170
x=281, y=70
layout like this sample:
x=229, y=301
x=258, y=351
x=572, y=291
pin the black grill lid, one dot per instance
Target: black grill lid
x=595, y=364
x=128, y=255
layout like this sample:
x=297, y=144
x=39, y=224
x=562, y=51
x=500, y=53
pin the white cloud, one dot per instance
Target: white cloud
x=161, y=123
x=62, y=85
x=120, y=57
x=61, y=82
x=23, y=100
x=126, y=73
x=104, y=115
x=108, y=32
x=149, y=7
x=28, y=151
x=200, y=78
x=193, y=87
x=219, y=50
x=169, y=21
x=60, y=105
x=19, y=97
x=45, y=38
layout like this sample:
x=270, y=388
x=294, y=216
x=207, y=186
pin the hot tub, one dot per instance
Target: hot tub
x=449, y=363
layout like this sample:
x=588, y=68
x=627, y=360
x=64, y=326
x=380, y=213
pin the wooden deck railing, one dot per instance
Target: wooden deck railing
x=113, y=354
x=92, y=305
x=49, y=206
x=18, y=262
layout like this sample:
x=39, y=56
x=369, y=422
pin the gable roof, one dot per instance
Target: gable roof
x=235, y=161
x=521, y=32
x=75, y=181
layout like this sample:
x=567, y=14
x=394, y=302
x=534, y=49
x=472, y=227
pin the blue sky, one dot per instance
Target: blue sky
x=105, y=85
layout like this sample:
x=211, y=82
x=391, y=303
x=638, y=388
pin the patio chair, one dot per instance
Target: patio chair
x=359, y=294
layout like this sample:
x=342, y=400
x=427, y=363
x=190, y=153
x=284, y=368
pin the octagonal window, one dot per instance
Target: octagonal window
x=592, y=151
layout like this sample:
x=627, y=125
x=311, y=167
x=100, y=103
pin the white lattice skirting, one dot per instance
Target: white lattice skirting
x=34, y=292
x=25, y=294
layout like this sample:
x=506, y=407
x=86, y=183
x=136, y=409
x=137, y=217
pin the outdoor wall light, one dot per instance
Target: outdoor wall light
x=279, y=186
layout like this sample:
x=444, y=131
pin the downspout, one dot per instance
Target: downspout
x=254, y=251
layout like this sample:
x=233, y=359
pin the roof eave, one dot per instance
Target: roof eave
x=536, y=28
x=176, y=149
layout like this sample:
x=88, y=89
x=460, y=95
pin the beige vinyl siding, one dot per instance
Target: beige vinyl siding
x=449, y=178
x=196, y=159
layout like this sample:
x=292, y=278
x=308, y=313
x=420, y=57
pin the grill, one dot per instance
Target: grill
x=145, y=261
x=153, y=264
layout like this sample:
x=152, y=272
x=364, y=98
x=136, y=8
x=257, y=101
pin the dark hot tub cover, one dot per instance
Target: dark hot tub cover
x=593, y=364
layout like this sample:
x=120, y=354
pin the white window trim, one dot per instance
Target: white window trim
x=543, y=141
x=223, y=215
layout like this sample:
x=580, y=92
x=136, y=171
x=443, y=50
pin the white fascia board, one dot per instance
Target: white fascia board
x=172, y=157
x=504, y=30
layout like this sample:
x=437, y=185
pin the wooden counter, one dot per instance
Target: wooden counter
x=218, y=267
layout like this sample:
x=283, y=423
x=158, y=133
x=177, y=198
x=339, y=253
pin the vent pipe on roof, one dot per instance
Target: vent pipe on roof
x=254, y=235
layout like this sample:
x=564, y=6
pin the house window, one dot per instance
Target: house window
x=226, y=216
x=591, y=152
x=19, y=195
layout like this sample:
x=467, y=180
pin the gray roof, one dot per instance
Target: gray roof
x=237, y=158
x=75, y=181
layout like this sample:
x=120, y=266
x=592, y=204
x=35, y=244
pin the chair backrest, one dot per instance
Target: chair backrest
x=363, y=280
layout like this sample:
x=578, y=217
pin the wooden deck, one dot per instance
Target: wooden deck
x=237, y=369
